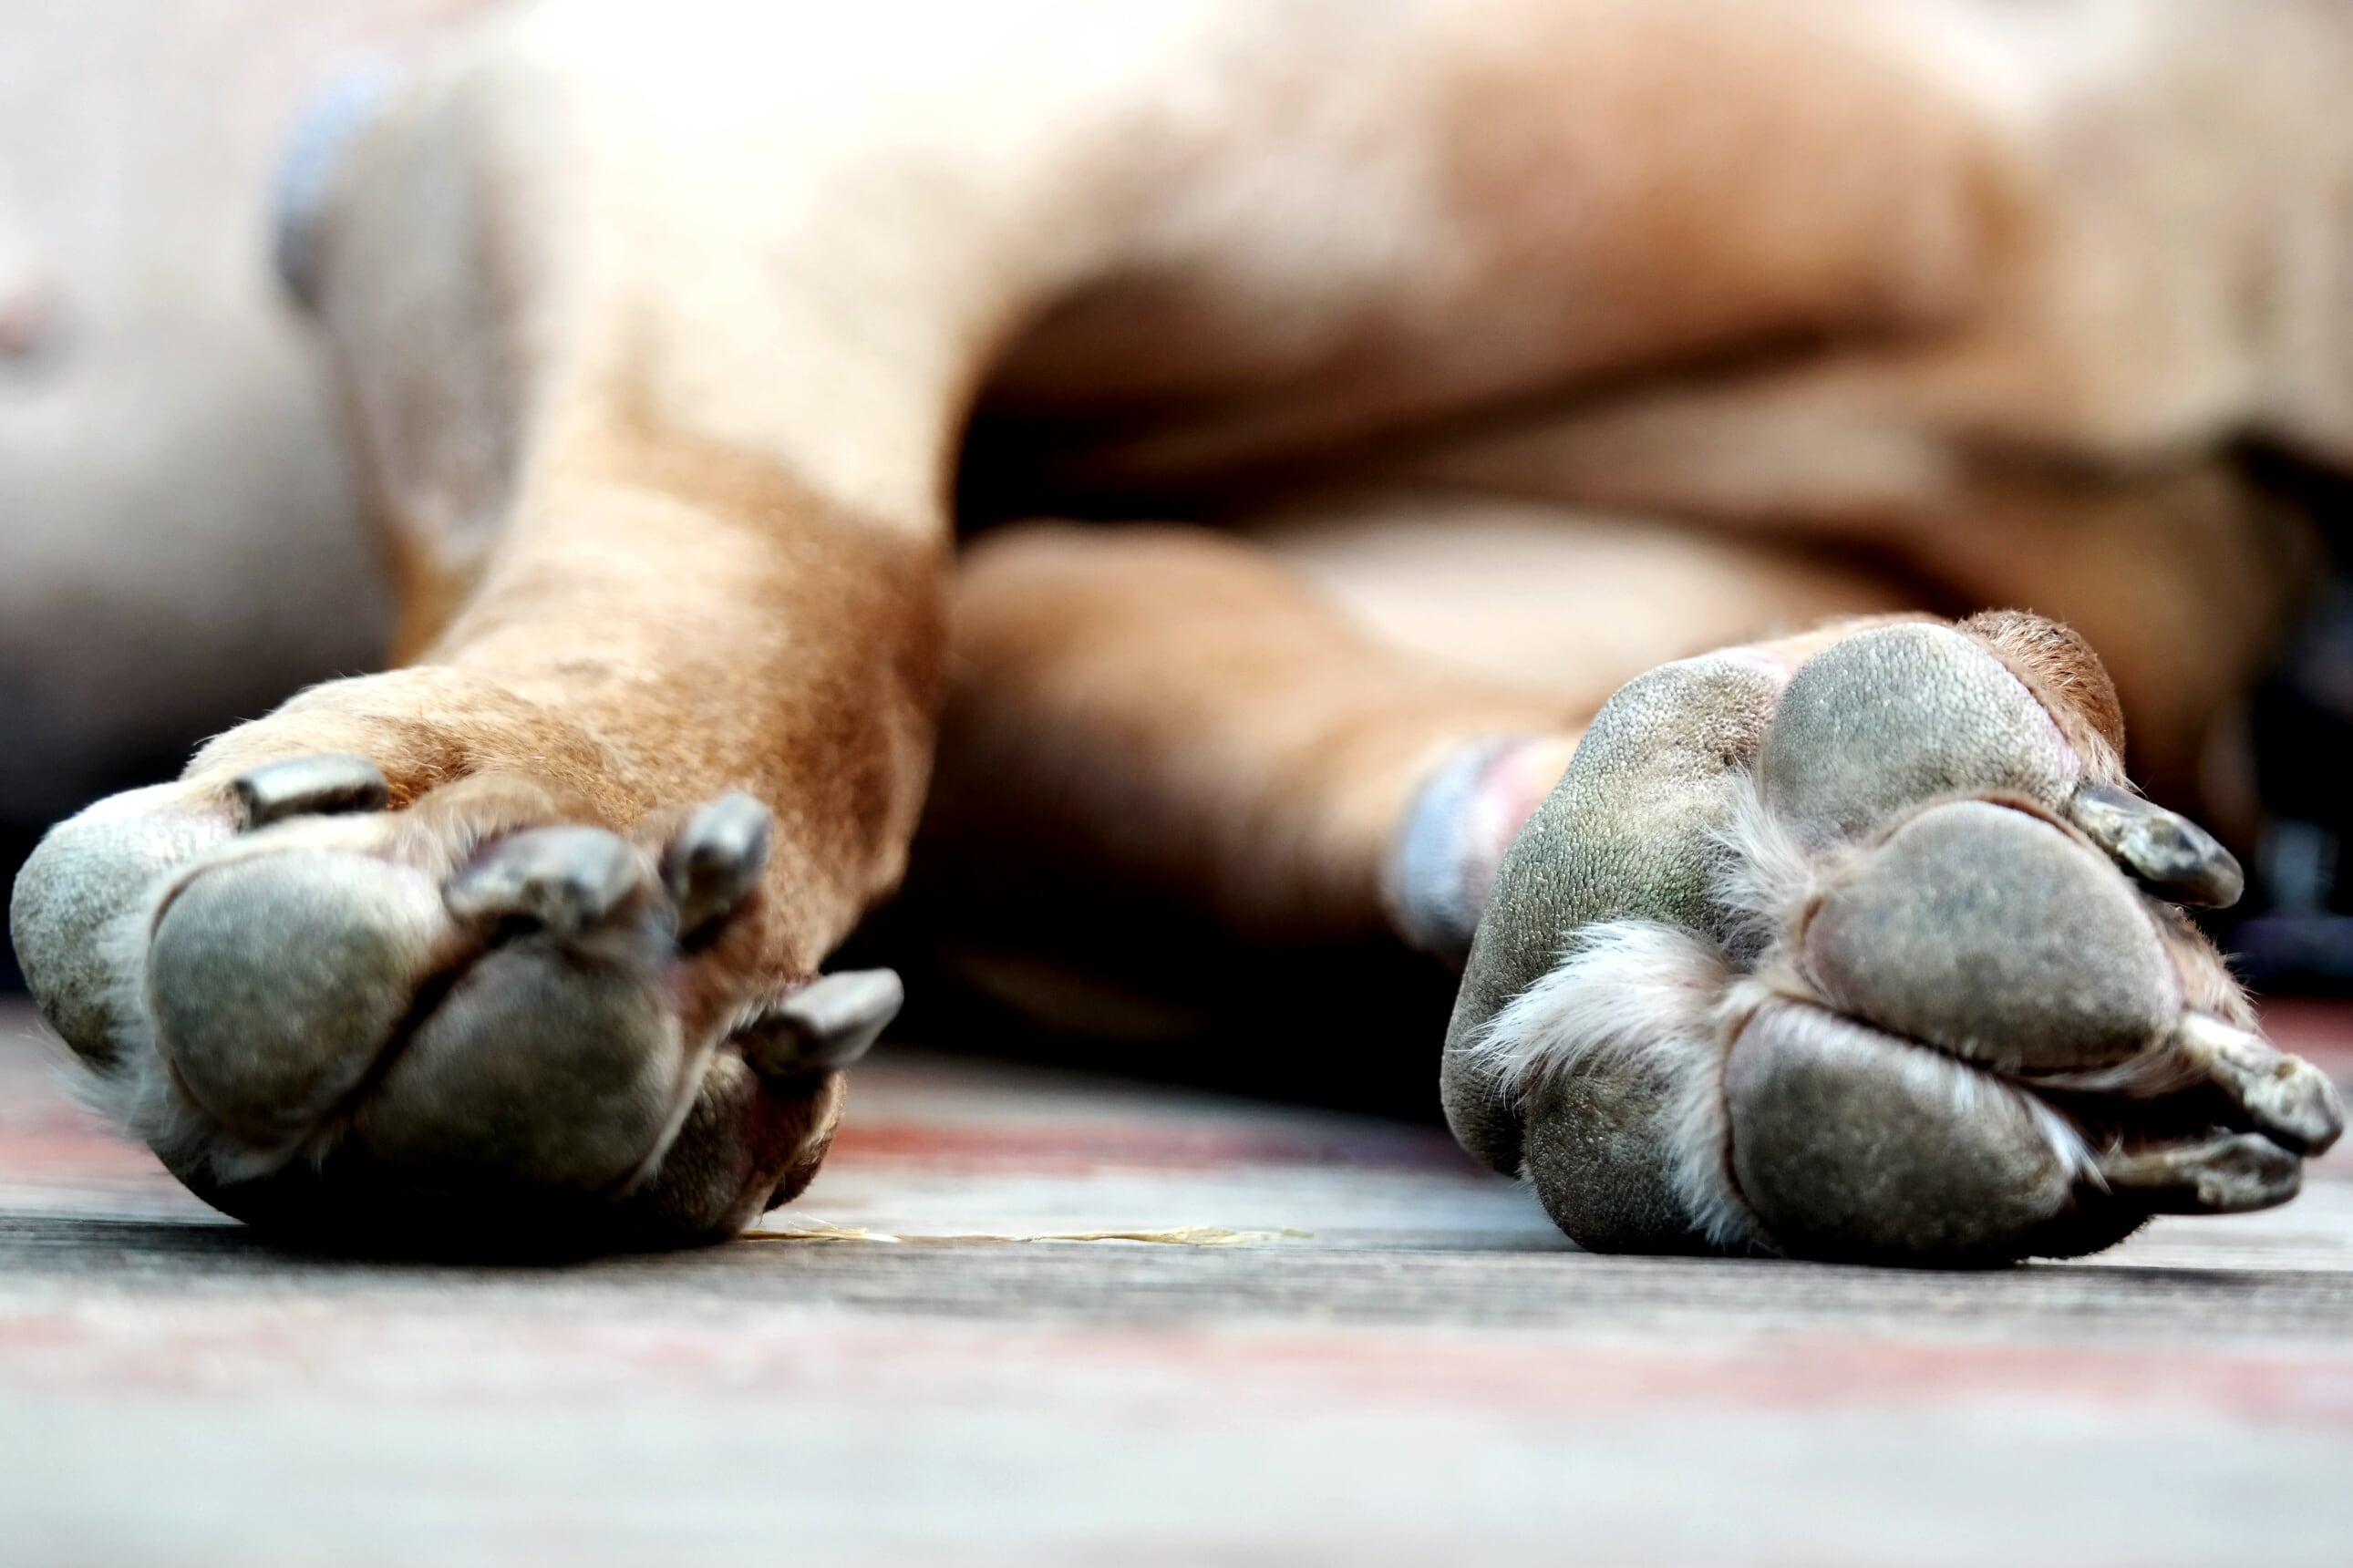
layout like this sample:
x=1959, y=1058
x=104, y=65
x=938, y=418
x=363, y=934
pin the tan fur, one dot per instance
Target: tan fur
x=661, y=327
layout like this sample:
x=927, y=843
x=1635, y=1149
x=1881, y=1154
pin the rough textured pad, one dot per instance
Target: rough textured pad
x=1846, y=1142
x=1903, y=714
x=272, y=981
x=1594, y=1139
x=1992, y=933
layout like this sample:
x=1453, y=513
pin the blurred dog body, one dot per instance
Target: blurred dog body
x=172, y=568
x=1941, y=304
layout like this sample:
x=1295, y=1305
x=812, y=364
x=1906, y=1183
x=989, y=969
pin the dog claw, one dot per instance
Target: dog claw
x=824, y=1026
x=319, y=786
x=566, y=878
x=712, y=866
x=2289, y=1101
x=2229, y=1174
x=2171, y=854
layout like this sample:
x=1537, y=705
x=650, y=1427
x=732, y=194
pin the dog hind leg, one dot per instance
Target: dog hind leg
x=1717, y=994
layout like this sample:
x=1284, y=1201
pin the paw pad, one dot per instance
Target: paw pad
x=1866, y=962
x=465, y=1016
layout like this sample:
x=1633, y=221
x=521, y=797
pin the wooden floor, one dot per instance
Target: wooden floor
x=1327, y=1340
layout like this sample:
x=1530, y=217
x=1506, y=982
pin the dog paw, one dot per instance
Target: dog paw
x=1864, y=949
x=477, y=1020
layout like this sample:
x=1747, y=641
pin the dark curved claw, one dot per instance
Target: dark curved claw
x=2233, y=1173
x=567, y=879
x=323, y=784
x=2171, y=854
x=824, y=1026
x=2286, y=1098
x=712, y=866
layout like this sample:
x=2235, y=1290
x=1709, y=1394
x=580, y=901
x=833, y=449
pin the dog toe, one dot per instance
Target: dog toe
x=1877, y=723
x=272, y=981
x=1990, y=933
x=1850, y=1142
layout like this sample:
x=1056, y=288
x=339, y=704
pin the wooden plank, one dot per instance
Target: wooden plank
x=1427, y=1372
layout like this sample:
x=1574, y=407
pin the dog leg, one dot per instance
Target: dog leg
x=1847, y=944
x=1862, y=950
x=1244, y=724
x=1175, y=708
x=658, y=355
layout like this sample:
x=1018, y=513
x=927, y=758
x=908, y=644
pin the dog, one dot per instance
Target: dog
x=1560, y=434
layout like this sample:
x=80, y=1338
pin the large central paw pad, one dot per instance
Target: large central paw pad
x=1865, y=952
x=469, y=1021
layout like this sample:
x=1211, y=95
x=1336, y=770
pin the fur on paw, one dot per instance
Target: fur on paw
x=479, y=1021
x=1860, y=946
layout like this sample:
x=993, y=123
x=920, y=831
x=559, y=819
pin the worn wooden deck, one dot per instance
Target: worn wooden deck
x=1385, y=1357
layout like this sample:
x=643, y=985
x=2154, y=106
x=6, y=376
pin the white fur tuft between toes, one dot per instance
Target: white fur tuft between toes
x=1626, y=990
x=1765, y=877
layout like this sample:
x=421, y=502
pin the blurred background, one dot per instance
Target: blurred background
x=179, y=543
